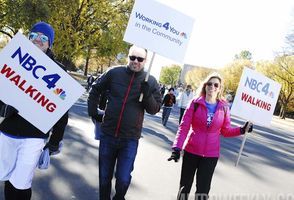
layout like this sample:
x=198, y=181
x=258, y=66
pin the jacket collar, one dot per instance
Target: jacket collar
x=129, y=71
x=201, y=100
x=50, y=54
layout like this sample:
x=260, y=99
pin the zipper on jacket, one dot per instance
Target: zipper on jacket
x=123, y=106
x=207, y=127
x=205, y=144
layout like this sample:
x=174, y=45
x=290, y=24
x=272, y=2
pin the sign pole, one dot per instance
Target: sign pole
x=148, y=73
x=241, y=149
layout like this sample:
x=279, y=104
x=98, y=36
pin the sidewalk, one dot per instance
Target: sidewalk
x=287, y=120
x=286, y=123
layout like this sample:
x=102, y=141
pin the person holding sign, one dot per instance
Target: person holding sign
x=122, y=123
x=185, y=98
x=21, y=143
x=208, y=116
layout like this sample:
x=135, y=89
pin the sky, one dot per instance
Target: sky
x=225, y=28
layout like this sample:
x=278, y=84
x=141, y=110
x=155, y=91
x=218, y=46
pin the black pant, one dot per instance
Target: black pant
x=205, y=167
x=11, y=193
x=182, y=110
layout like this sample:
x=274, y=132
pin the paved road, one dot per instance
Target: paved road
x=265, y=170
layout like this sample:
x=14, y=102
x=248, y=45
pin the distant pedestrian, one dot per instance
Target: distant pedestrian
x=168, y=102
x=206, y=118
x=185, y=98
x=176, y=91
x=229, y=99
x=90, y=81
x=162, y=90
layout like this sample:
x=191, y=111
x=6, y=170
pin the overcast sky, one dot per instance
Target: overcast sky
x=225, y=28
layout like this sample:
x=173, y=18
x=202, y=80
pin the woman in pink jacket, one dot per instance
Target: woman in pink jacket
x=206, y=118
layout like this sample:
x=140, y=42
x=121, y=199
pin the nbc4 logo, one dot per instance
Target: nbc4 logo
x=60, y=92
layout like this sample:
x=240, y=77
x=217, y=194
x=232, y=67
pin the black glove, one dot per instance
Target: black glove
x=145, y=89
x=7, y=111
x=245, y=126
x=175, y=155
x=53, y=149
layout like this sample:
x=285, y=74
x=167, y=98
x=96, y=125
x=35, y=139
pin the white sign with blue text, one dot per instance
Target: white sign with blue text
x=160, y=29
x=34, y=84
x=256, y=97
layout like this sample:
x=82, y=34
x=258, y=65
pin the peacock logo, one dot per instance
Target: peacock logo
x=60, y=92
x=271, y=94
x=183, y=34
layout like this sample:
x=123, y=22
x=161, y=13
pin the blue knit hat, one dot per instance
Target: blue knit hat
x=46, y=29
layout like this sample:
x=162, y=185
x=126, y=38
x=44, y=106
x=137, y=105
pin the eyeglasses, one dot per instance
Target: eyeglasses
x=216, y=85
x=34, y=35
x=133, y=58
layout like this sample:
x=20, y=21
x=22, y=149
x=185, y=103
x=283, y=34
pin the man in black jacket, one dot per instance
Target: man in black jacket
x=122, y=123
x=21, y=142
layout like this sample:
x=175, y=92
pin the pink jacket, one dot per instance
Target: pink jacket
x=201, y=139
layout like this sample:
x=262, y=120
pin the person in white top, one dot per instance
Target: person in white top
x=185, y=98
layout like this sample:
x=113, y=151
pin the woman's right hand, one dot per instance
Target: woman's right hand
x=175, y=155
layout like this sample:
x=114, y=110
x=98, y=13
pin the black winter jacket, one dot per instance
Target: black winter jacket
x=17, y=126
x=124, y=113
x=169, y=100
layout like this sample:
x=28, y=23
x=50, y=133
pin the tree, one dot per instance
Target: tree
x=290, y=43
x=91, y=28
x=196, y=76
x=282, y=71
x=232, y=73
x=170, y=75
x=21, y=14
x=3, y=42
x=245, y=55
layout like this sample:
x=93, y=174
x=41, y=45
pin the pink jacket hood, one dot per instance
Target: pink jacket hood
x=194, y=136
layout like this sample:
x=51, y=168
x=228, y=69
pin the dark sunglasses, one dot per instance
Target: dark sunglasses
x=133, y=58
x=34, y=35
x=216, y=85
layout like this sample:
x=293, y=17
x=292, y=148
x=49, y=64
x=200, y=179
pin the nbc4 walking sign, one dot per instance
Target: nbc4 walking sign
x=160, y=29
x=256, y=97
x=34, y=84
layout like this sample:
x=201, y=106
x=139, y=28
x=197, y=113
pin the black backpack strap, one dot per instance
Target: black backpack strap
x=195, y=106
x=225, y=108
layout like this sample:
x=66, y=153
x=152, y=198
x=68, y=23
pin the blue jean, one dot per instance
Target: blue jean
x=165, y=114
x=119, y=151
